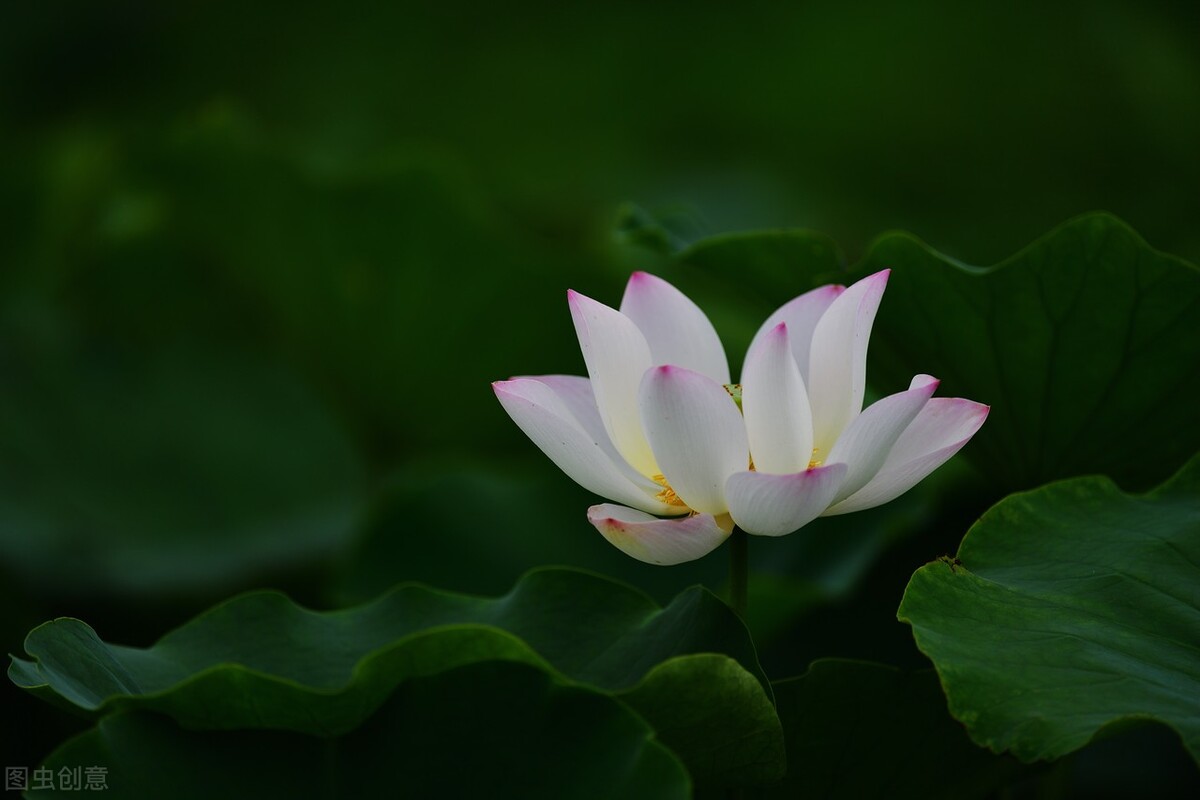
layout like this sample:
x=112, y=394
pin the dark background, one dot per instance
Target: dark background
x=259, y=264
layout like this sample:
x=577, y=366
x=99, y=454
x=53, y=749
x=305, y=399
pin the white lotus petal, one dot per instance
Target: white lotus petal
x=696, y=432
x=576, y=394
x=837, y=371
x=944, y=425
x=774, y=505
x=677, y=331
x=617, y=356
x=868, y=439
x=775, y=405
x=660, y=541
x=801, y=315
x=548, y=422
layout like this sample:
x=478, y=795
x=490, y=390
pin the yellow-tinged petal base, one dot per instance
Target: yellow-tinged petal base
x=667, y=495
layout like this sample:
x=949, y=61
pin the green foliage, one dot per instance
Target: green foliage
x=475, y=731
x=1068, y=609
x=352, y=277
x=259, y=661
x=711, y=711
x=1083, y=344
x=857, y=730
x=184, y=470
x=258, y=265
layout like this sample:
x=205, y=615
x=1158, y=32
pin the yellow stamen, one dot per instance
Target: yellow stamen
x=815, y=461
x=667, y=495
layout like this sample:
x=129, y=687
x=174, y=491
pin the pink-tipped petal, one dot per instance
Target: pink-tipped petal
x=775, y=405
x=677, y=331
x=660, y=541
x=575, y=394
x=944, y=425
x=865, y=444
x=801, y=315
x=617, y=356
x=697, y=434
x=837, y=370
x=549, y=423
x=774, y=505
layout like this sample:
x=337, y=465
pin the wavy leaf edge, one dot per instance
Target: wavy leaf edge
x=504, y=646
x=954, y=564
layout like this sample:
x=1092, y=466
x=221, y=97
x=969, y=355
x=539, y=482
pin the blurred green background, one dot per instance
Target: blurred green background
x=262, y=261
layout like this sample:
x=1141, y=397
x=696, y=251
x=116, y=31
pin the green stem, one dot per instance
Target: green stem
x=739, y=569
x=739, y=580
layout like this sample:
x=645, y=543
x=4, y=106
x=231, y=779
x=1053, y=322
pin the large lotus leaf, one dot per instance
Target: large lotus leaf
x=1068, y=609
x=490, y=729
x=180, y=470
x=1084, y=344
x=860, y=730
x=714, y=714
x=261, y=661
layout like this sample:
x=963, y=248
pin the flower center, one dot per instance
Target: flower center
x=735, y=391
x=667, y=495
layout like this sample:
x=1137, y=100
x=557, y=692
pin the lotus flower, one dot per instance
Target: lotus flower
x=658, y=427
